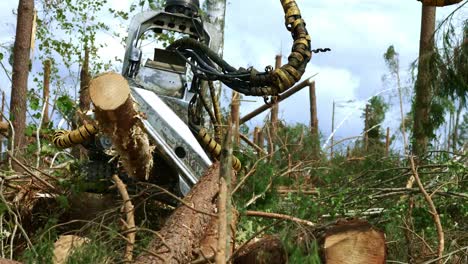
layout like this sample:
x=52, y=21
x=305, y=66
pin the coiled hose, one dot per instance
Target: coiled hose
x=214, y=148
x=70, y=138
x=250, y=81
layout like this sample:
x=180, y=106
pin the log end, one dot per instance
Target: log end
x=354, y=242
x=109, y=91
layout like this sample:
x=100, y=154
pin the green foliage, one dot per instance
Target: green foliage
x=43, y=242
x=348, y=189
x=376, y=115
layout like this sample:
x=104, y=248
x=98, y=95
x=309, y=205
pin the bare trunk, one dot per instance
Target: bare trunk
x=118, y=118
x=235, y=115
x=423, y=87
x=314, y=121
x=224, y=199
x=216, y=13
x=274, y=110
x=21, y=62
x=455, y=127
x=313, y=110
x=85, y=78
x=46, y=93
x=261, y=139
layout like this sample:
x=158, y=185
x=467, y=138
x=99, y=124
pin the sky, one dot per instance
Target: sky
x=357, y=31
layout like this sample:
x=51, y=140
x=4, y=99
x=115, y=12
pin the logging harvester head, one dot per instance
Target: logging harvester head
x=166, y=81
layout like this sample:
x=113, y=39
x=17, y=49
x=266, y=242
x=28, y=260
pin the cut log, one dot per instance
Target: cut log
x=268, y=250
x=184, y=229
x=4, y=127
x=353, y=242
x=119, y=119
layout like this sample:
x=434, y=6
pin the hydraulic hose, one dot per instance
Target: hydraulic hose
x=214, y=148
x=70, y=138
x=250, y=81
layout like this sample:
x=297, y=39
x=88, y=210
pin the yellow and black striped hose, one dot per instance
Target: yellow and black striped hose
x=287, y=75
x=70, y=138
x=214, y=148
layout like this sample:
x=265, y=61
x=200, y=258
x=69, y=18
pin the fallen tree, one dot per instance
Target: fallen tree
x=184, y=229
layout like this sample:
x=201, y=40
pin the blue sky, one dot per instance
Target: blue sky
x=357, y=31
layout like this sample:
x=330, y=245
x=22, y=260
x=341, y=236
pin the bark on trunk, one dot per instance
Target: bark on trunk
x=184, y=229
x=235, y=115
x=423, y=88
x=21, y=53
x=314, y=121
x=208, y=245
x=46, y=93
x=274, y=110
x=85, y=78
x=118, y=119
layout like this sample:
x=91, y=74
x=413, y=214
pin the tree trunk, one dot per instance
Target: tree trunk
x=313, y=110
x=118, y=119
x=1, y=122
x=21, y=62
x=423, y=89
x=455, y=127
x=85, y=78
x=314, y=121
x=46, y=93
x=224, y=197
x=274, y=110
x=216, y=14
x=261, y=139
x=185, y=228
x=235, y=115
